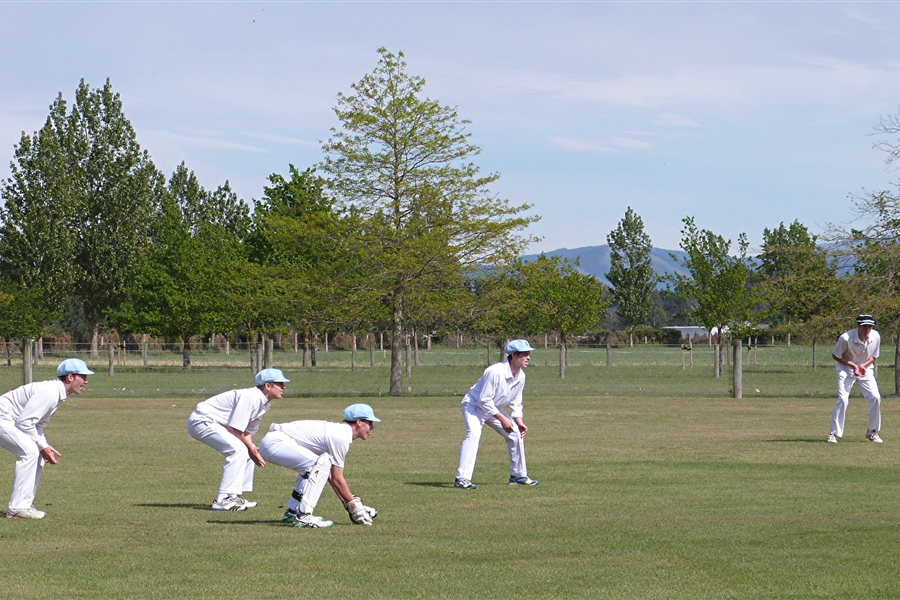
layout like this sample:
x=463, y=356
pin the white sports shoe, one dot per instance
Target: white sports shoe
x=308, y=520
x=872, y=436
x=232, y=503
x=832, y=439
x=25, y=513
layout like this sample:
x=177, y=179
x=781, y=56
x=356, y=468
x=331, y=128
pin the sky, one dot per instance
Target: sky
x=742, y=115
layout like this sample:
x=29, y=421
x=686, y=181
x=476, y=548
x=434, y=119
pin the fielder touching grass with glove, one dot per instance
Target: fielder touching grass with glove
x=317, y=450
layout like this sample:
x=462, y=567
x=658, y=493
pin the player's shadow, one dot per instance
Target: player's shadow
x=174, y=505
x=807, y=440
x=269, y=522
x=434, y=484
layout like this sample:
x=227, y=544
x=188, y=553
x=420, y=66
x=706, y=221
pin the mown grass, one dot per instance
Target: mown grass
x=655, y=484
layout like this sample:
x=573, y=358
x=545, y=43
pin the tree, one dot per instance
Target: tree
x=557, y=297
x=20, y=316
x=873, y=250
x=799, y=283
x=717, y=284
x=631, y=271
x=401, y=166
x=37, y=238
x=180, y=286
x=85, y=172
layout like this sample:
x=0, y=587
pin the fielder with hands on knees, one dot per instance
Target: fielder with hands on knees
x=855, y=354
x=227, y=422
x=24, y=413
x=500, y=387
x=317, y=451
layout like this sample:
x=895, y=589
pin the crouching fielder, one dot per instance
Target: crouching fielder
x=227, y=422
x=316, y=450
x=500, y=387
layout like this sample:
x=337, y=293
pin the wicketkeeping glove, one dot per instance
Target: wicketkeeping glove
x=359, y=512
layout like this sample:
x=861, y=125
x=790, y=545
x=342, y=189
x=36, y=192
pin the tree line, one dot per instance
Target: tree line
x=395, y=230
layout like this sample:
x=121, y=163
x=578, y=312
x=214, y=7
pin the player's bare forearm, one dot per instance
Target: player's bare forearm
x=340, y=485
x=247, y=439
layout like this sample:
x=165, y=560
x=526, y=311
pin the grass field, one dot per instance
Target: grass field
x=655, y=484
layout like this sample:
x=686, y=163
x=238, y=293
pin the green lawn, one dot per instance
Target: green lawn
x=655, y=484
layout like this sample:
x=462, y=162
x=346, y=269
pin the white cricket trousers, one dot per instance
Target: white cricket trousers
x=468, y=452
x=29, y=464
x=237, y=474
x=869, y=387
x=281, y=449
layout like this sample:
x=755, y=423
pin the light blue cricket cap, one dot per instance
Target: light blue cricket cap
x=73, y=366
x=360, y=411
x=270, y=376
x=518, y=346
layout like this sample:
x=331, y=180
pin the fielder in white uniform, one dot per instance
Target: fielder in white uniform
x=855, y=355
x=227, y=423
x=500, y=387
x=317, y=451
x=24, y=413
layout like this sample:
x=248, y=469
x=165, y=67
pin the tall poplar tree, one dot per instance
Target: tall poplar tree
x=402, y=165
x=80, y=204
x=631, y=271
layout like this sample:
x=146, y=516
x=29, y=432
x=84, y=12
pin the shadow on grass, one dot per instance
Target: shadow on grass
x=435, y=484
x=176, y=505
x=811, y=440
x=269, y=522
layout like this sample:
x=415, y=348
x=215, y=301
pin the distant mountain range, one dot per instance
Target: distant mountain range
x=594, y=260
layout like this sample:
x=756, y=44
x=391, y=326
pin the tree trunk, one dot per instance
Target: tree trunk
x=186, y=354
x=95, y=341
x=396, y=387
x=352, y=351
x=815, y=345
x=312, y=350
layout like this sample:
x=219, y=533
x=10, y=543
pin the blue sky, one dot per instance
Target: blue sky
x=740, y=114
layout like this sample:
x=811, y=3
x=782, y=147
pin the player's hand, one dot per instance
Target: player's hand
x=522, y=429
x=860, y=371
x=49, y=454
x=256, y=457
x=507, y=424
x=359, y=512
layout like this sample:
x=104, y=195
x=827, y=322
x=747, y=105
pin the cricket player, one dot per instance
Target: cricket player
x=500, y=387
x=24, y=413
x=227, y=422
x=317, y=451
x=855, y=355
